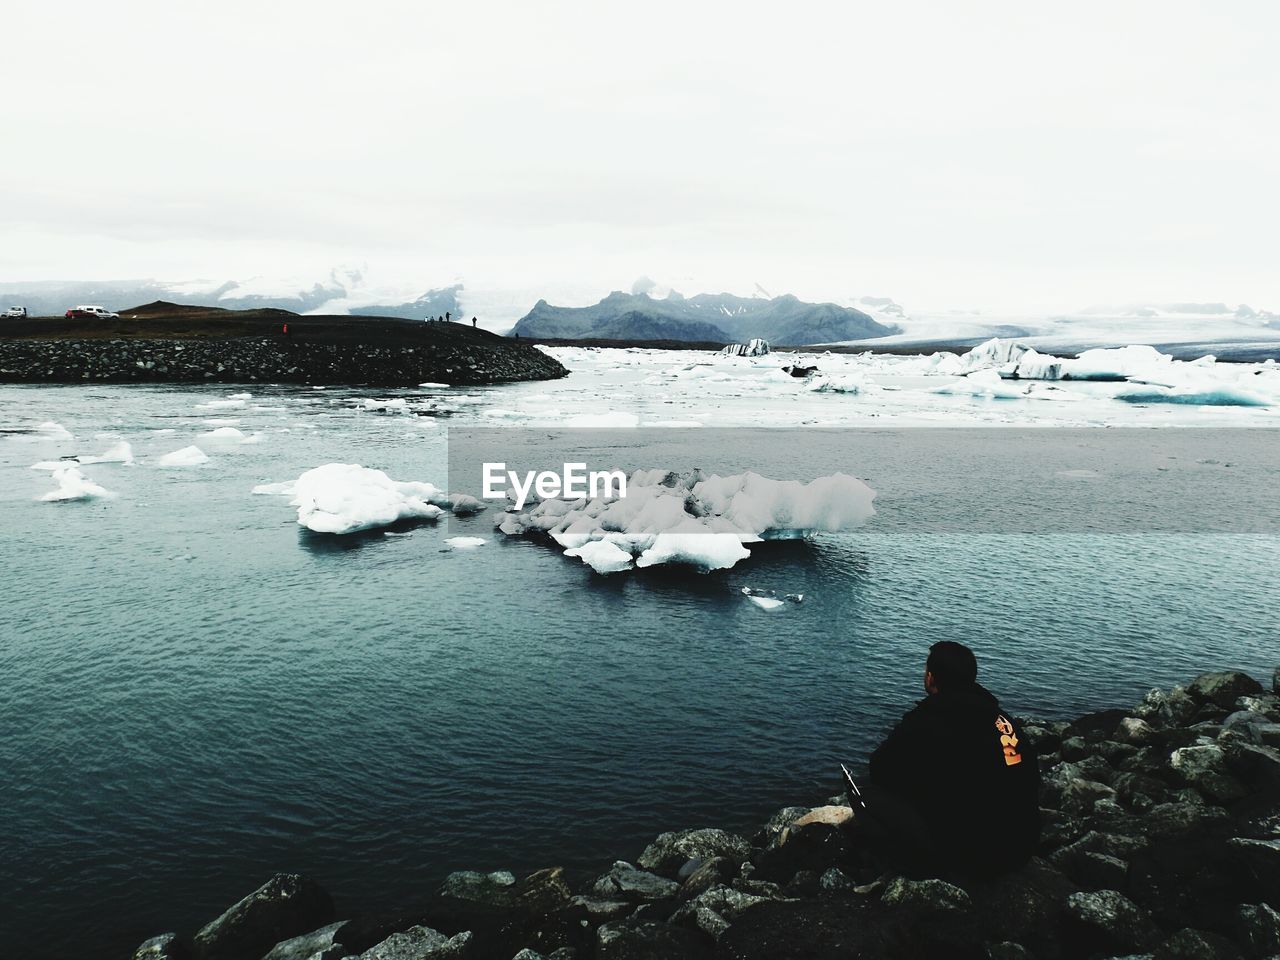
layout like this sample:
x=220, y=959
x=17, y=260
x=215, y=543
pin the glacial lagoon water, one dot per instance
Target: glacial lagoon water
x=197, y=693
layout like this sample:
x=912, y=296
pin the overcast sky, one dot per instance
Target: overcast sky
x=1003, y=157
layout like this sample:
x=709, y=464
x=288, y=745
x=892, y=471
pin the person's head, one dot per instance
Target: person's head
x=950, y=666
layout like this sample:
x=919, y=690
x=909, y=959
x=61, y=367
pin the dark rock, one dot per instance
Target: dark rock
x=813, y=847
x=1196, y=880
x=1097, y=726
x=1139, y=790
x=308, y=945
x=1075, y=748
x=929, y=895
x=1223, y=687
x=1205, y=767
x=285, y=906
x=669, y=851
x=419, y=943
x=626, y=940
x=1258, y=859
x=1258, y=928
x=625, y=882
x=1008, y=950
x=1134, y=731
x=1188, y=944
x=711, y=873
x=1106, y=920
x=805, y=883
x=1275, y=681
x=1079, y=796
x=1256, y=765
x=167, y=946
x=777, y=823
x=1025, y=905
x=497, y=888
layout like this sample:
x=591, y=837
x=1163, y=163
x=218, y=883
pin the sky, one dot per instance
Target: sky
x=1003, y=157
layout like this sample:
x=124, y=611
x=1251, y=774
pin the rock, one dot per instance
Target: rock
x=626, y=940
x=1255, y=764
x=601, y=910
x=1079, y=796
x=1196, y=880
x=832, y=815
x=727, y=902
x=711, y=873
x=1275, y=681
x=1176, y=819
x=1025, y=905
x=1135, y=731
x=812, y=848
x=669, y=851
x=930, y=894
x=286, y=906
x=1139, y=791
x=625, y=882
x=1223, y=687
x=1075, y=748
x=167, y=946
x=1258, y=928
x=1205, y=768
x=777, y=823
x=498, y=887
x=835, y=881
x=419, y=943
x=305, y=946
x=1259, y=859
x=1188, y=944
x=1097, y=726
x=1104, y=920
x=1008, y=950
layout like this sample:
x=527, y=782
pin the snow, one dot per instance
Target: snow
x=191, y=456
x=694, y=519
x=466, y=543
x=119, y=453
x=74, y=485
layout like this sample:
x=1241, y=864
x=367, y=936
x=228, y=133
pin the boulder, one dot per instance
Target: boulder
x=307, y=945
x=632, y=940
x=497, y=888
x=1275, y=681
x=625, y=882
x=167, y=946
x=1079, y=795
x=777, y=823
x=1255, y=764
x=1097, y=726
x=1223, y=687
x=1106, y=920
x=930, y=895
x=1259, y=859
x=419, y=943
x=1025, y=905
x=1135, y=731
x=286, y=906
x=813, y=848
x=1189, y=944
x=667, y=853
x=1258, y=928
x=1139, y=791
x=710, y=873
x=1176, y=819
x=1205, y=768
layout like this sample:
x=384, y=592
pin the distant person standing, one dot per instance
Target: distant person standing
x=473, y=323
x=447, y=316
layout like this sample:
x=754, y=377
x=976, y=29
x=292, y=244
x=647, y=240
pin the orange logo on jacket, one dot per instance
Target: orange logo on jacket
x=1008, y=741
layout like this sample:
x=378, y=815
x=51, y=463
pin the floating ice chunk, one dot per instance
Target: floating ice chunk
x=464, y=505
x=993, y=353
x=240, y=396
x=394, y=405
x=1206, y=396
x=431, y=385
x=49, y=464
x=120, y=453
x=344, y=498
x=849, y=383
x=276, y=489
x=257, y=437
x=74, y=485
x=220, y=405
x=191, y=456
x=983, y=383
x=694, y=519
x=602, y=556
x=766, y=603
x=466, y=543
x=1119, y=363
x=53, y=430
x=226, y=433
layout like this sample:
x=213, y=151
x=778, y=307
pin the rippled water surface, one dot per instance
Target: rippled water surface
x=197, y=693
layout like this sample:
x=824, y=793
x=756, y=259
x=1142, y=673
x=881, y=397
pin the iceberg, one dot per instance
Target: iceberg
x=191, y=456
x=120, y=453
x=466, y=543
x=691, y=518
x=74, y=485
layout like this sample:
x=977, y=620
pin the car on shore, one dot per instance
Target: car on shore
x=88, y=310
x=16, y=313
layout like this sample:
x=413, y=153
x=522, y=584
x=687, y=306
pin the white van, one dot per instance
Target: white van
x=87, y=310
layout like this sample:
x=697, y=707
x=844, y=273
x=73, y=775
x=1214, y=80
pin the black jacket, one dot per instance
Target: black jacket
x=964, y=767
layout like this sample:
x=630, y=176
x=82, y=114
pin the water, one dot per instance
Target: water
x=196, y=693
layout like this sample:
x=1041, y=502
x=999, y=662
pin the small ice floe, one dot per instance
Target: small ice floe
x=394, y=405
x=768, y=599
x=466, y=543
x=430, y=385
x=53, y=430
x=119, y=453
x=849, y=383
x=1079, y=474
x=342, y=498
x=986, y=384
x=191, y=456
x=226, y=433
x=231, y=404
x=691, y=518
x=240, y=396
x=74, y=485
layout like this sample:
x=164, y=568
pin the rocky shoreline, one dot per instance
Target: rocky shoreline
x=1161, y=839
x=272, y=359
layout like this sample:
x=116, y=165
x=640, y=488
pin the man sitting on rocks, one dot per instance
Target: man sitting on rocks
x=954, y=788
